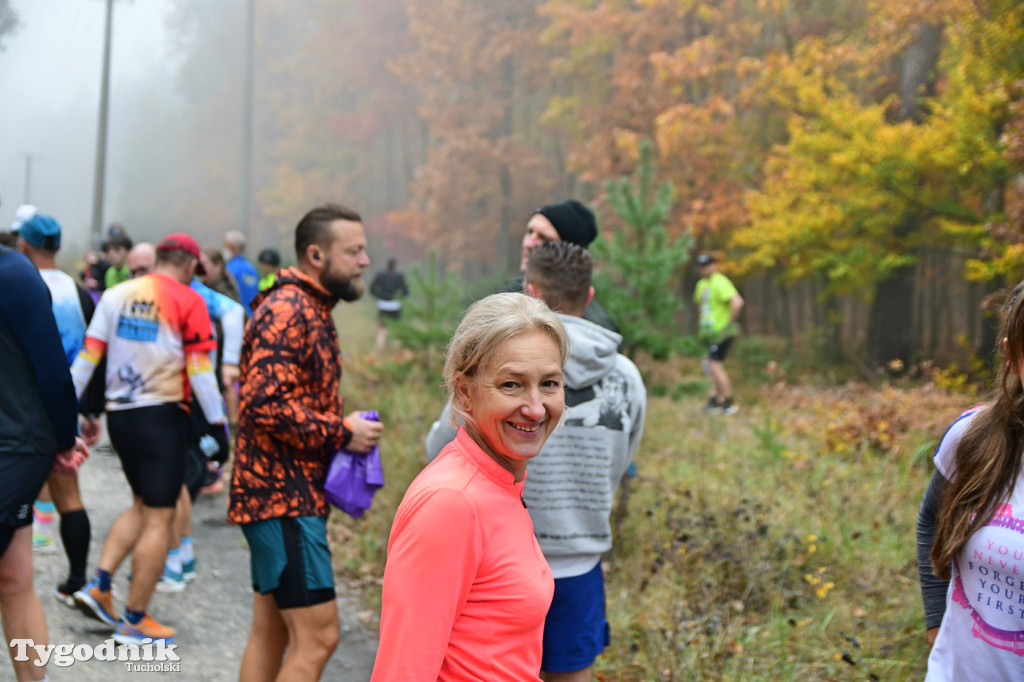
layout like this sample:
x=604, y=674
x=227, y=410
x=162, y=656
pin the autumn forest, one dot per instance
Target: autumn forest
x=858, y=165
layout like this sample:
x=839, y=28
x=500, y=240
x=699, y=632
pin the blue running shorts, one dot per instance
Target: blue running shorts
x=575, y=630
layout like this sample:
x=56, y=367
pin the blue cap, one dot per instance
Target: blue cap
x=40, y=231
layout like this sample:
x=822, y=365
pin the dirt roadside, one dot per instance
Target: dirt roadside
x=212, y=616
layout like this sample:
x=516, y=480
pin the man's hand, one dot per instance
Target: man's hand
x=69, y=460
x=932, y=634
x=229, y=376
x=91, y=430
x=365, y=433
x=219, y=432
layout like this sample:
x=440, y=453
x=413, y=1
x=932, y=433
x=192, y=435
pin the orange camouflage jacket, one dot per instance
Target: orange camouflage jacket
x=290, y=413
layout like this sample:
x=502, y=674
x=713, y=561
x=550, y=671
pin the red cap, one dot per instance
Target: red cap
x=179, y=241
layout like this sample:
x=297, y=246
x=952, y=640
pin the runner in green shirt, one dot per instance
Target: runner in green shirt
x=718, y=308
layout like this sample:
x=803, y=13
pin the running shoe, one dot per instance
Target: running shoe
x=729, y=407
x=712, y=406
x=188, y=570
x=42, y=543
x=170, y=582
x=65, y=592
x=147, y=631
x=96, y=604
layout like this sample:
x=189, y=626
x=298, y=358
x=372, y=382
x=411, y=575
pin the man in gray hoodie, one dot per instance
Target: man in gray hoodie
x=571, y=484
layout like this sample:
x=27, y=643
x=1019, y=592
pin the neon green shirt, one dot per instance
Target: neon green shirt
x=713, y=294
x=115, y=275
x=266, y=281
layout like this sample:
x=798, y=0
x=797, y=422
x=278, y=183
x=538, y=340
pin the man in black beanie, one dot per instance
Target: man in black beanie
x=564, y=221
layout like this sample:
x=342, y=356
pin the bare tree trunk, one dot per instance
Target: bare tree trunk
x=918, y=75
x=508, y=258
x=890, y=336
x=890, y=329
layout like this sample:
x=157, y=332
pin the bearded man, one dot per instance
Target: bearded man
x=290, y=422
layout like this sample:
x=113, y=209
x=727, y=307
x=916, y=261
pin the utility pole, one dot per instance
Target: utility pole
x=28, y=179
x=245, y=163
x=99, y=175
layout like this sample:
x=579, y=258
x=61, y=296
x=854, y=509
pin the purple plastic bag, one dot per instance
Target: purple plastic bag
x=354, y=477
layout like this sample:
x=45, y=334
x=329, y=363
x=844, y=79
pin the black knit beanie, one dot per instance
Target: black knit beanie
x=573, y=221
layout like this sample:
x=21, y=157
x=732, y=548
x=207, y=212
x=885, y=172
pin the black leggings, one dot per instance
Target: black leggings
x=151, y=442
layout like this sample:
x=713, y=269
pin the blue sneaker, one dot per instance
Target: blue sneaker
x=96, y=604
x=188, y=570
x=147, y=631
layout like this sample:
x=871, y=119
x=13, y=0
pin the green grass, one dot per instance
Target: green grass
x=771, y=544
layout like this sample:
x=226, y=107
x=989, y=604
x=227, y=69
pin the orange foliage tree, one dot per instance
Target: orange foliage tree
x=481, y=83
x=694, y=76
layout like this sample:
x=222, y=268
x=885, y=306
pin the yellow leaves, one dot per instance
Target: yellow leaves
x=816, y=580
x=698, y=59
x=562, y=111
x=775, y=7
x=955, y=381
x=838, y=191
x=707, y=12
x=1007, y=265
x=849, y=179
x=628, y=142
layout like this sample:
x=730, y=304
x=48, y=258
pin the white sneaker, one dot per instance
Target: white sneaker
x=170, y=582
x=43, y=544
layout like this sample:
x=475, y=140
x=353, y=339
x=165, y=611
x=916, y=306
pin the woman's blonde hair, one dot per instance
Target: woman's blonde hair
x=490, y=322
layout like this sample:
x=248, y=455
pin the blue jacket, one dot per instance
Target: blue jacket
x=247, y=277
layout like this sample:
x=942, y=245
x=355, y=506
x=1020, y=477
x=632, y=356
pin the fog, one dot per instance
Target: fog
x=50, y=75
x=175, y=136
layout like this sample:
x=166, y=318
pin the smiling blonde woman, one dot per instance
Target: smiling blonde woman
x=466, y=587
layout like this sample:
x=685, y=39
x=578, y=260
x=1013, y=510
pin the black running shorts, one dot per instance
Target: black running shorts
x=151, y=442
x=23, y=476
x=718, y=351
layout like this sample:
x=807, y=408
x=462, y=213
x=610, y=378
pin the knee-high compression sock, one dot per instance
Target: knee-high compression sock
x=75, y=532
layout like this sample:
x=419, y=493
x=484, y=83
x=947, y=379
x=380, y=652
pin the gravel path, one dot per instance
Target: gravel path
x=212, y=616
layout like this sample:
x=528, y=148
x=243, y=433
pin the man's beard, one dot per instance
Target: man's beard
x=347, y=289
